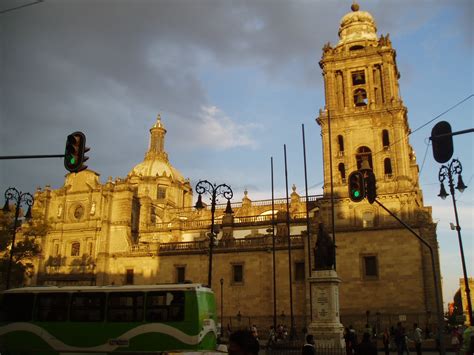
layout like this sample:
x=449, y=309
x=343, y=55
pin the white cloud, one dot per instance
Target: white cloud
x=217, y=130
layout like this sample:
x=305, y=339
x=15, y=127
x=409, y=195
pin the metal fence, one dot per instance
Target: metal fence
x=295, y=348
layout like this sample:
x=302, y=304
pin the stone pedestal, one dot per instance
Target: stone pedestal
x=325, y=323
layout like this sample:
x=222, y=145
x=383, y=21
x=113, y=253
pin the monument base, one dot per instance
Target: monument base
x=325, y=324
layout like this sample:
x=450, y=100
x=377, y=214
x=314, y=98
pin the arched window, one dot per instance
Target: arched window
x=342, y=171
x=340, y=142
x=364, y=153
x=387, y=166
x=385, y=139
x=360, y=97
x=75, y=248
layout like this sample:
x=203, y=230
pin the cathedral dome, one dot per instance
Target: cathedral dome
x=156, y=167
x=357, y=26
x=156, y=161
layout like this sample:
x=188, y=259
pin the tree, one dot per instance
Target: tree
x=26, y=247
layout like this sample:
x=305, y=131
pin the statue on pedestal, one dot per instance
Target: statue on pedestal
x=325, y=251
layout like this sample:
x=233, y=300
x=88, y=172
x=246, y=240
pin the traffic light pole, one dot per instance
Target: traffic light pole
x=31, y=156
x=442, y=348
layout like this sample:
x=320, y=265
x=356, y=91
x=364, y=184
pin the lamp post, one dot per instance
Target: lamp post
x=222, y=302
x=377, y=324
x=224, y=190
x=18, y=198
x=455, y=168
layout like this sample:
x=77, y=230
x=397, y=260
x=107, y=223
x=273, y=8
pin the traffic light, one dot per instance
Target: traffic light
x=356, y=186
x=442, y=146
x=74, y=155
x=370, y=188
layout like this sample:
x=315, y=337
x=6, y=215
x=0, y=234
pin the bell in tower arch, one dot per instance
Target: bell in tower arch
x=360, y=97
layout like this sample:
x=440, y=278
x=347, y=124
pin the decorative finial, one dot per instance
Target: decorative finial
x=355, y=6
x=293, y=188
x=158, y=118
x=245, y=192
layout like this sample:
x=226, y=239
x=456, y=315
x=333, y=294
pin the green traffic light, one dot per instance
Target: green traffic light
x=356, y=193
x=72, y=160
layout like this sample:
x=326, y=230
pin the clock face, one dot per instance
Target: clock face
x=78, y=212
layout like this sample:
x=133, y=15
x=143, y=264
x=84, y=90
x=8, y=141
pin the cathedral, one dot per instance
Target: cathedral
x=144, y=229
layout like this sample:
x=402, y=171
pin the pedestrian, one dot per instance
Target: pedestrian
x=242, y=342
x=401, y=339
x=417, y=338
x=468, y=341
x=347, y=339
x=271, y=336
x=386, y=341
x=254, y=331
x=368, y=329
x=353, y=336
x=366, y=347
x=308, y=347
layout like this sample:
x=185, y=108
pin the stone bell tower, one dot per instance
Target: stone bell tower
x=364, y=116
x=364, y=119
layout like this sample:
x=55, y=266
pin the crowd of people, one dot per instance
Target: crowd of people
x=395, y=340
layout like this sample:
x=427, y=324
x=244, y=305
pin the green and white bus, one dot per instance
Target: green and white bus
x=107, y=319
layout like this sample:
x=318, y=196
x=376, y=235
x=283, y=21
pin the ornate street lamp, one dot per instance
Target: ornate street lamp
x=12, y=194
x=224, y=190
x=222, y=302
x=455, y=168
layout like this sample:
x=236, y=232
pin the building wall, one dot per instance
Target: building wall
x=125, y=224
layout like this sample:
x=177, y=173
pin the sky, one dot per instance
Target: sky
x=233, y=82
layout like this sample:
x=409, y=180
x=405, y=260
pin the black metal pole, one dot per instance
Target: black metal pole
x=3, y=157
x=292, y=324
x=222, y=304
x=211, y=238
x=219, y=190
x=307, y=202
x=333, y=223
x=273, y=252
x=453, y=167
x=12, y=250
x=307, y=222
x=439, y=312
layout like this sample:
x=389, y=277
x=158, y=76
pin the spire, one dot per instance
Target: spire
x=156, y=150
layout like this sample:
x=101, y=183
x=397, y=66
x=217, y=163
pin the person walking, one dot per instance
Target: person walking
x=401, y=339
x=254, y=330
x=308, y=347
x=386, y=341
x=366, y=347
x=242, y=342
x=417, y=338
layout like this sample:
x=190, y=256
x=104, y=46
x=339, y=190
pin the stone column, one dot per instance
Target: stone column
x=325, y=324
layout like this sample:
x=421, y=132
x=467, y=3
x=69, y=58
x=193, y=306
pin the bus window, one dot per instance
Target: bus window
x=52, y=307
x=125, y=307
x=165, y=306
x=17, y=307
x=87, y=307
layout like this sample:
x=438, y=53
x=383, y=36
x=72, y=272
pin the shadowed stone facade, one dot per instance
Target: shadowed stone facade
x=142, y=229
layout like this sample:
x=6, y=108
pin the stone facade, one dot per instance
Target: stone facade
x=142, y=229
x=464, y=303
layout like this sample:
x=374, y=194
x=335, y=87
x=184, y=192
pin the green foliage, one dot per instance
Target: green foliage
x=26, y=247
x=6, y=225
